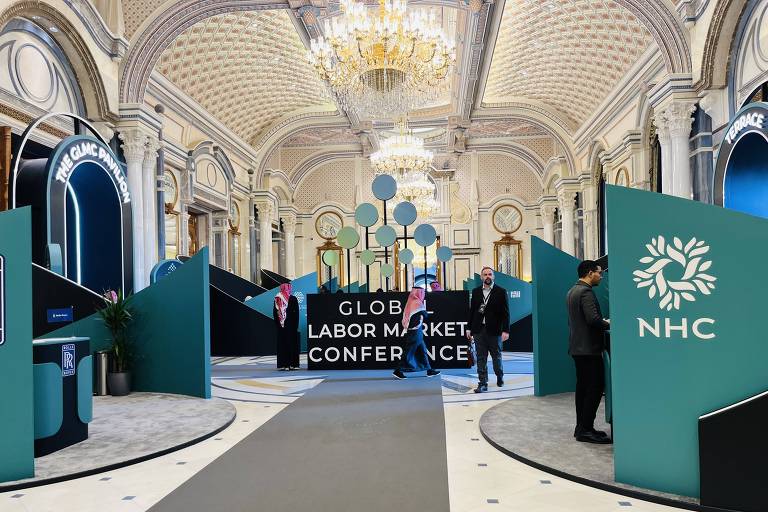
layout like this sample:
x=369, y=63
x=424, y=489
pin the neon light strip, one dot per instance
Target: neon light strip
x=77, y=231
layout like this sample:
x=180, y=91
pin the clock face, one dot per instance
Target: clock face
x=328, y=225
x=170, y=188
x=234, y=214
x=507, y=219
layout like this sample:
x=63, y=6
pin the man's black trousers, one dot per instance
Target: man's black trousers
x=590, y=384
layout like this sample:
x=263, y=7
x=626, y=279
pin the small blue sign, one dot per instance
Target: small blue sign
x=60, y=315
x=163, y=268
x=67, y=360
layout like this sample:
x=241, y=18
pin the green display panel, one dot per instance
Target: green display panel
x=554, y=272
x=171, y=332
x=687, y=301
x=49, y=405
x=16, y=405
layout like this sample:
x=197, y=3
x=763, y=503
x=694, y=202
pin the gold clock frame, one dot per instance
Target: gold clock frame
x=317, y=223
x=507, y=240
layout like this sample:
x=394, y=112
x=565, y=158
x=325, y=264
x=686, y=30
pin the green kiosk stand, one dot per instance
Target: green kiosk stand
x=63, y=392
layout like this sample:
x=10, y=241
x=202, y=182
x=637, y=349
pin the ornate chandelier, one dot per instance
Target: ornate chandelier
x=383, y=62
x=404, y=157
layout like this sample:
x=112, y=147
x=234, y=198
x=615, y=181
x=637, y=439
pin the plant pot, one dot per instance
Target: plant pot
x=119, y=383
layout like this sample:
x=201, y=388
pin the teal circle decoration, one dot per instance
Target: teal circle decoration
x=405, y=213
x=367, y=257
x=386, y=236
x=406, y=256
x=330, y=258
x=425, y=235
x=384, y=187
x=366, y=215
x=444, y=253
x=387, y=270
x=348, y=237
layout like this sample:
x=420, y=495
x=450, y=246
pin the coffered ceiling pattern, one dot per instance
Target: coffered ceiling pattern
x=247, y=69
x=135, y=12
x=568, y=54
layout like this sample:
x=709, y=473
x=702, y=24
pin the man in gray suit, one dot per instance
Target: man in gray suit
x=586, y=344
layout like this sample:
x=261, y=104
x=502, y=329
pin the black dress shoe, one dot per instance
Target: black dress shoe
x=481, y=388
x=594, y=438
x=578, y=431
x=398, y=374
x=499, y=381
x=433, y=373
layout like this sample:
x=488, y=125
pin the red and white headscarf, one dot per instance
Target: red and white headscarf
x=413, y=305
x=281, y=302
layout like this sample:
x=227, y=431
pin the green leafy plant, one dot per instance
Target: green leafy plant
x=117, y=317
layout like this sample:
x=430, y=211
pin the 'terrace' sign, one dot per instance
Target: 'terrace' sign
x=364, y=331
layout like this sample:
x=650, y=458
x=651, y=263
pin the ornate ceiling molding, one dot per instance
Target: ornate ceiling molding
x=69, y=37
x=518, y=151
x=718, y=43
x=305, y=168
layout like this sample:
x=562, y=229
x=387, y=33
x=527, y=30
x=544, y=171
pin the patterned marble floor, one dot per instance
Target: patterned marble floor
x=481, y=478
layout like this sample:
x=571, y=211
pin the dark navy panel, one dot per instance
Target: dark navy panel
x=746, y=180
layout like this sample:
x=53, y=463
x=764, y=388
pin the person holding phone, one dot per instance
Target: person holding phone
x=489, y=326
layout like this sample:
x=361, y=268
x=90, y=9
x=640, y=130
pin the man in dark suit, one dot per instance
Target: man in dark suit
x=586, y=344
x=489, y=325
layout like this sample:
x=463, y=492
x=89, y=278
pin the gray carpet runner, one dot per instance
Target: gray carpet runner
x=349, y=445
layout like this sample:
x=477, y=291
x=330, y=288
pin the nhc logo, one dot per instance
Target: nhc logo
x=686, y=260
x=675, y=273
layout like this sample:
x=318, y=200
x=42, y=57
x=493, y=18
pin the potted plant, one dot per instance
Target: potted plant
x=117, y=317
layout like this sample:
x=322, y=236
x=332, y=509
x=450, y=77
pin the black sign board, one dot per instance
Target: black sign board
x=361, y=331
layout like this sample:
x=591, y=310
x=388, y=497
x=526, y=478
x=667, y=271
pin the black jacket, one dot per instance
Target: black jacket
x=496, y=311
x=585, y=320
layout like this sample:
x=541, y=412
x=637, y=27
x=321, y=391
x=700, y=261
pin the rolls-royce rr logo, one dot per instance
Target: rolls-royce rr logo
x=675, y=272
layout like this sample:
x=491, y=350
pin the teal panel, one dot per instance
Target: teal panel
x=85, y=389
x=302, y=286
x=608, y=393
x=49, y=395
x=17, y=459
x=171, y=333
x=663, y=381
x=554, y=272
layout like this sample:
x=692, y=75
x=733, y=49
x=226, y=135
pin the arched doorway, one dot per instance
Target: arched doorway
x=741, y=175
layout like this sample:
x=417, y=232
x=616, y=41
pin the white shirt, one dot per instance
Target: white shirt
x=486, y=293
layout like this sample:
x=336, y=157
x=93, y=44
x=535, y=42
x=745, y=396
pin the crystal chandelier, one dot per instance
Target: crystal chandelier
x=404, y=157
x=383, y=62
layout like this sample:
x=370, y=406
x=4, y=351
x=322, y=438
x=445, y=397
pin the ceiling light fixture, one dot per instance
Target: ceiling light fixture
x=383, y=62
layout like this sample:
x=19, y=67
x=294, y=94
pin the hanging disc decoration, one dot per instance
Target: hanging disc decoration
x=406, y=256
x=330, y=258
x=367, y=257
x=387, y=270
x=386, y=236
x=366, y=215
x=405, y=213
x=425, y=235
x=384, y=187
x=444, y=254
x=348, y=237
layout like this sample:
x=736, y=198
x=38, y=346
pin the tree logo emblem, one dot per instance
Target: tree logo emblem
x=675, y=272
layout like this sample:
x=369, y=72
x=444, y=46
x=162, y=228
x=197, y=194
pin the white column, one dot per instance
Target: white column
x=674, y=123
x=265, y=233
x=548, y=222
x=149, y=186
x=134, y=146
x=289, y=226
x=567, y=202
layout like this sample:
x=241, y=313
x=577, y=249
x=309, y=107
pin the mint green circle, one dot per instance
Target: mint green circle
x=330, y=258
x=386, y=236
x=348, y=237
x=444, y=253
x=406, y=256
x=387, y=270
x=367, y=257
x=366, y=215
